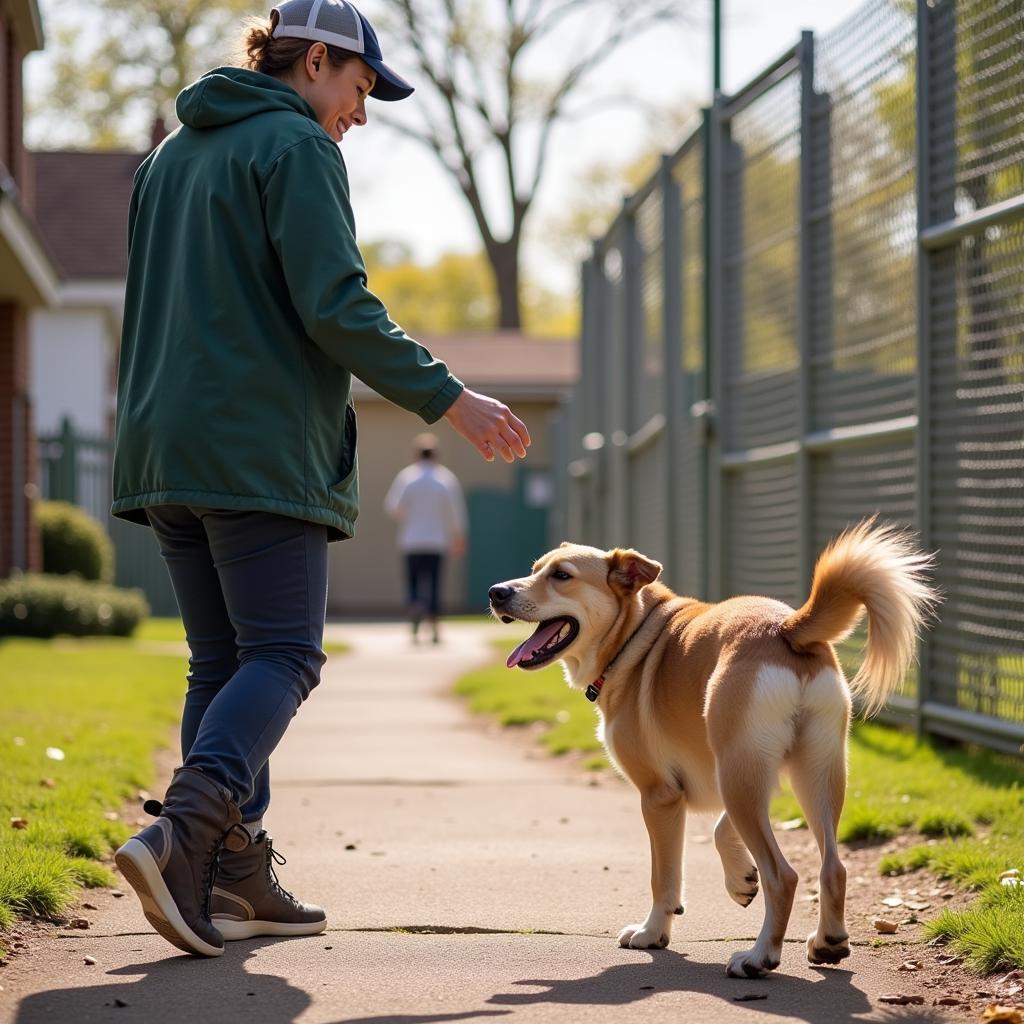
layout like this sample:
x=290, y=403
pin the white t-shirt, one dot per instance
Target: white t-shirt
x=427, y=501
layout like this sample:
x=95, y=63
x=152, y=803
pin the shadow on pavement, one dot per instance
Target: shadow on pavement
x=182, y=988
x=829, y=999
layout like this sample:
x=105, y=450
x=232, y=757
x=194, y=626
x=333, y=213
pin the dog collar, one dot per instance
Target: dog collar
x=593, y=691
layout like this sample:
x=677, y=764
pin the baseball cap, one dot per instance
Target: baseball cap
x=338, y=23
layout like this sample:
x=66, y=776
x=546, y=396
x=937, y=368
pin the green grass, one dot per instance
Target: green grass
x=171, y=630
x=107, y=705
x=160, y=630
x=966, y=804
x=519, y=698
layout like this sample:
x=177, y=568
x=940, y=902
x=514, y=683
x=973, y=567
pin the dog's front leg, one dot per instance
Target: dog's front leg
x=664, y=808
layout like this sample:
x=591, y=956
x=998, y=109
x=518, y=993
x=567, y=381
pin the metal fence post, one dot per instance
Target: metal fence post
x=922, y=448
x=672, y=346
x=805, y=312
x=620, y=381
x=713, y=192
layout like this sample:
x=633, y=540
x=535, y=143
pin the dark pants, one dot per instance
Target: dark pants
x=252, y=590
x=423, y=573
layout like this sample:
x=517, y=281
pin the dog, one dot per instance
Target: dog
x=702, y=705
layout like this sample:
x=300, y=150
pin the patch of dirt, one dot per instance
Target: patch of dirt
x=919, y=966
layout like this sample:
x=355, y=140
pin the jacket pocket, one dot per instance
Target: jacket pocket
x=348, y=454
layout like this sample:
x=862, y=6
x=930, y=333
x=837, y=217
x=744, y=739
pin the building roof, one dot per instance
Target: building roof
x=505, y=361
x=81, y=207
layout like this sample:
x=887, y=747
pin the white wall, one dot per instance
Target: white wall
x=70, y=371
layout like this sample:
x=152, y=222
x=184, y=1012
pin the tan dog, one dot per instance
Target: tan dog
x=702, y=705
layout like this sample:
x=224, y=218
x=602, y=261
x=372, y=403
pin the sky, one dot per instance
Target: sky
x=401, y=193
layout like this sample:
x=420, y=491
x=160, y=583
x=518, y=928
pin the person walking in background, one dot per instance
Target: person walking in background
x=246, y=314
x=427, y=501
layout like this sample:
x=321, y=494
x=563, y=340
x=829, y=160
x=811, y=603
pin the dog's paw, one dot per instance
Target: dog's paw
x=751, y=963
x=638, y=936
x=829, y=950
x=743, y=888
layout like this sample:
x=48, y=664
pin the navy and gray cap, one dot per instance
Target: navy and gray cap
x=338, y=23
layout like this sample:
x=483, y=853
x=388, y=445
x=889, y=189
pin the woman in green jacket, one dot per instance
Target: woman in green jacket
x=246, y=314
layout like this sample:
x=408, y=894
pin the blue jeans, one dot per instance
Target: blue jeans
x=423, y=577
x=252, y=590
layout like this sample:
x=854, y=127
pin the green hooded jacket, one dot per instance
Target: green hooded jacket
x=247, y=312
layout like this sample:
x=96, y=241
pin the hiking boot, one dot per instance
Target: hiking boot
x=248, y=900
x=171, y=864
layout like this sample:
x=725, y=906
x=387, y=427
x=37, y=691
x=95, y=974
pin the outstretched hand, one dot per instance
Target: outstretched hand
x=489, y=426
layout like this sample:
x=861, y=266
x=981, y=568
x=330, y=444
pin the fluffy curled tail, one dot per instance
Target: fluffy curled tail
x=875, y=569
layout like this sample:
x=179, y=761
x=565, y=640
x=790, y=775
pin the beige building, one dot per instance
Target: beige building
x=507, y=504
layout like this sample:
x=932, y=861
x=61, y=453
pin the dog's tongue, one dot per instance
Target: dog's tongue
x=528, y=648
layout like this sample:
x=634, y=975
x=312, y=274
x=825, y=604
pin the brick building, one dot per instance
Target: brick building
x=28, y=280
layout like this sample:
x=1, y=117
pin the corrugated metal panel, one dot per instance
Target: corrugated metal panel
x=762, y=533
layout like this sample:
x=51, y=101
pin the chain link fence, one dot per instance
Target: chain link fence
x=813, y=312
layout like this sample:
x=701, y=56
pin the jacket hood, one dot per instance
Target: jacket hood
x=226, y=95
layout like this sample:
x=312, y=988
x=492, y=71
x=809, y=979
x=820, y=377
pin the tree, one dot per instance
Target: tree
x=114, y=65
x=483, y=103
x=456, y=293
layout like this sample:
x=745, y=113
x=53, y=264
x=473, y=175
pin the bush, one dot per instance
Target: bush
x=40, y=605
x=74, y=542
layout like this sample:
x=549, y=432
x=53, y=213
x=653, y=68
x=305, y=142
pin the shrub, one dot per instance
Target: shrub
x=40, y=605
x=74, y=542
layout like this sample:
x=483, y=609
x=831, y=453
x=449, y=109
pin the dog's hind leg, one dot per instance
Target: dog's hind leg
x=749, y=750
x=740, y=872
x=664, y=809
x=746, y=790
x=817, y=767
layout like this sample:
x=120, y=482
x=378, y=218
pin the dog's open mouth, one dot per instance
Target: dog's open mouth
x=548, y=641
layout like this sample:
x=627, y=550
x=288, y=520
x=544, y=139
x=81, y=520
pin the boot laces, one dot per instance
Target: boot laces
x=272, y=857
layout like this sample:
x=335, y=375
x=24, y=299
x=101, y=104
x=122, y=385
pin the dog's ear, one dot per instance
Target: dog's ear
x=565, y=544
x=628, y=570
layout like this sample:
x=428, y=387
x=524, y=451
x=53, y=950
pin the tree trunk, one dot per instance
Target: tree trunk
x=504, y=259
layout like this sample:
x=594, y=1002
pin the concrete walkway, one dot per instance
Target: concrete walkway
x=464, y=879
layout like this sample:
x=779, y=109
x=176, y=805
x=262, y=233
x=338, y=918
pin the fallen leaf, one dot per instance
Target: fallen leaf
x=55, y=753
x=893, y=901
x=998, y=1012
x=19, y=823
x=884, y=927
x=902, y=1000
